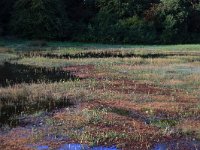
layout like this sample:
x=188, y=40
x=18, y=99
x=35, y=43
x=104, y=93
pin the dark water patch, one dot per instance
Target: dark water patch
x=178, y=145
x=99, y=54
x=11, y=74
x=12, y=115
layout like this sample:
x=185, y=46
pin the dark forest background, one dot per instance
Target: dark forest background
x=105, y=21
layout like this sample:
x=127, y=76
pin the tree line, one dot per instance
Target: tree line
x=105, y=21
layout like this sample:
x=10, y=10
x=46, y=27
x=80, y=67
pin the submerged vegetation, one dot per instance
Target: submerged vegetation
x=118, y=97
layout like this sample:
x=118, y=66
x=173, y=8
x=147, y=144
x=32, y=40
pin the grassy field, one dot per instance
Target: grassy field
x=114, y=96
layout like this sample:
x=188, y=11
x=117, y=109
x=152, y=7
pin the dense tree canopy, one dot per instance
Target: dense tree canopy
x=39, y=19
x=109, y=21
x=6, y=8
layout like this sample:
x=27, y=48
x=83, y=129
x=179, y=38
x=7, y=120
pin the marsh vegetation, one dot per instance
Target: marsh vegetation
x=92, y=95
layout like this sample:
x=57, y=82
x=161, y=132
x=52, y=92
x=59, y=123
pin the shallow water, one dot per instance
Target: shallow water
x=77, y=147
x=43, y=147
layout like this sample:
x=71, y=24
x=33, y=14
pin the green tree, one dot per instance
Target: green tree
x=40, y=19
x=194, y=17
x=171, y=20
x=80, y=14
x=137, y=30
x=122, y=21
x=110, y=21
